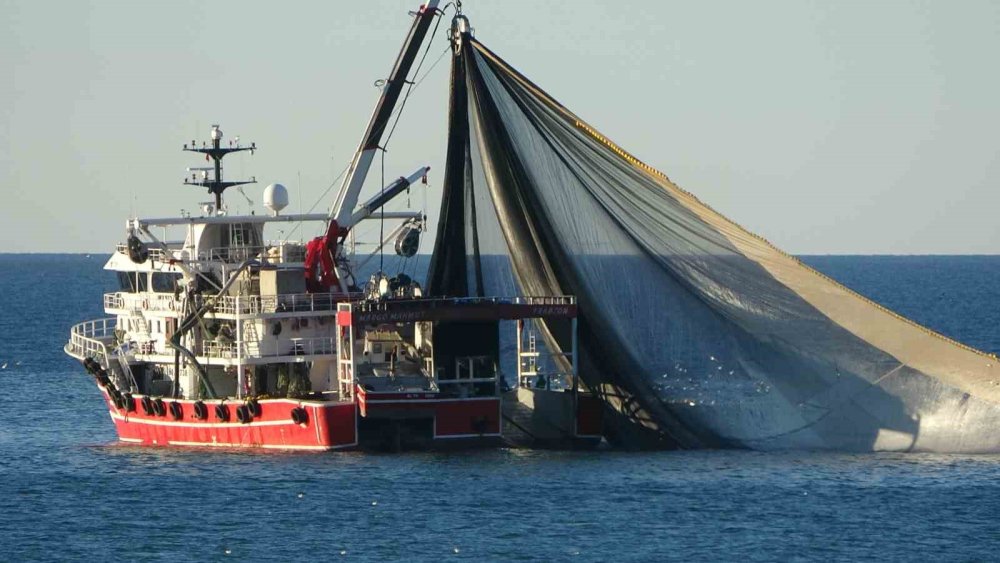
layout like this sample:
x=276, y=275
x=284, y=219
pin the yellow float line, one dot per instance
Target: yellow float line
x=663, y=177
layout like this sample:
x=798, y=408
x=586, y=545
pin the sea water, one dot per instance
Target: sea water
x=68, y=491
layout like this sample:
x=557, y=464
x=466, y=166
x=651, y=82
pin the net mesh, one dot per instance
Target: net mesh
x=694, y=331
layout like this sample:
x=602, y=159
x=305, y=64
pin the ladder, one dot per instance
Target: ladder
x=528, y=361
x=251, y=339
x=138, y=328
x=533, y=353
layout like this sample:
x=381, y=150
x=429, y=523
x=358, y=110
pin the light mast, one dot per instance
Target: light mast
x=216, y=152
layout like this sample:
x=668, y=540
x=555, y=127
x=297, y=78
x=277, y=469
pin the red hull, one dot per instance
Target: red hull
x=326, y=425
x=477, y=417
x=329, y=425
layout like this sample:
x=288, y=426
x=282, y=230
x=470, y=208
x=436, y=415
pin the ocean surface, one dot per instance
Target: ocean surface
x=68, y=491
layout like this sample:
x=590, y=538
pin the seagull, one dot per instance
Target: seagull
x=4, y=366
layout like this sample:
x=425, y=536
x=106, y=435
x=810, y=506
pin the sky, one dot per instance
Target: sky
x=852, y=127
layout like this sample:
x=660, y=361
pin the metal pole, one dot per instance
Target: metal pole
x=520, y=325
x=576, y=385
x=240, y=377
x=576, y=365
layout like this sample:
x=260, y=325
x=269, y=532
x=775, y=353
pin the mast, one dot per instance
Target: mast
x=216, y=152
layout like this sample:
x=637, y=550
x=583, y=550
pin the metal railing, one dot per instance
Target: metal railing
x=545, y=300
x=90, y=339
x=285, y=251
x=219, y=350
x=123, y=301
x=154, y=252
x=309, y=302
x=232, y=253
x=319, y=346
x=430, y=303
x=272, y=251
x=288, y=303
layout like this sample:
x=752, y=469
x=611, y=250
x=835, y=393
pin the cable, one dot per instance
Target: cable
x=410, y=85
x=318, y=200
x=381, y=226
x=399, y=113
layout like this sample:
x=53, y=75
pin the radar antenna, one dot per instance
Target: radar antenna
x=216, y=152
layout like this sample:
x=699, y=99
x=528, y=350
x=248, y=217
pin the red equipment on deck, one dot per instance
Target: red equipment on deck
x=321, y=272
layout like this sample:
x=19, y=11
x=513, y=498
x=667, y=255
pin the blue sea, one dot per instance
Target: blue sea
x=68, y=491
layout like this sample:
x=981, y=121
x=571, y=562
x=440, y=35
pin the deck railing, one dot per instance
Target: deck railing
x=154, y=252
x=432, y=302
x=232, y=253
x=288, y=303
x=545, y=300
x=320, y=346
x=125, y=301
x=308, y=302
x=90, y=339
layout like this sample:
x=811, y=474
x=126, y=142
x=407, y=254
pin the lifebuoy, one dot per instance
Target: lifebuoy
x=145, y=303
x=147, y=405
x=200, y=410
x=222, y=412
x=176, y=410
x=158, y=407
x=243, y=414
x=300, y=416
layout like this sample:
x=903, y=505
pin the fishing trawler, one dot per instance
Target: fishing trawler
x=641, y=315
x=220, y=336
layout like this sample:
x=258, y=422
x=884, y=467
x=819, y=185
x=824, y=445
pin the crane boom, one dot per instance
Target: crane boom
x=347, y=199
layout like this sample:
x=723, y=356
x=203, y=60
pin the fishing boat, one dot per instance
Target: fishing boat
x=631, y=311
x=221, y=336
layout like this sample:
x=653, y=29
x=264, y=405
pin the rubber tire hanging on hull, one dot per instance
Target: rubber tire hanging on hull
x=254, y=407
x=300, y=416
x=243, y=414
x=147, y=406
x=128, y=402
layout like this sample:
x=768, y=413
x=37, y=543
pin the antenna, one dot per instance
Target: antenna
x=216, y=152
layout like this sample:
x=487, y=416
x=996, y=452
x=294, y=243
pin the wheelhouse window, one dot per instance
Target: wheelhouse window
x=165, y=282
x=132, y=282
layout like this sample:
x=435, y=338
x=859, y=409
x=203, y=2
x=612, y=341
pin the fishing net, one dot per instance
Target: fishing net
x=694, y=331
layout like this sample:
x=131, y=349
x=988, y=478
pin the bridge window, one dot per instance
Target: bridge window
x=132, y=282
x=165, y=282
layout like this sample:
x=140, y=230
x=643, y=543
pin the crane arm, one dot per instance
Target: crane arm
x=347, y=199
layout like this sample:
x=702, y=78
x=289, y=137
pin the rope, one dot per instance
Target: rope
x=319, y=199
x=381, y=221
x=399, y=113
x=410, y=85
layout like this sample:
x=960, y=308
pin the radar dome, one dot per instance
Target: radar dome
x=275, y=198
